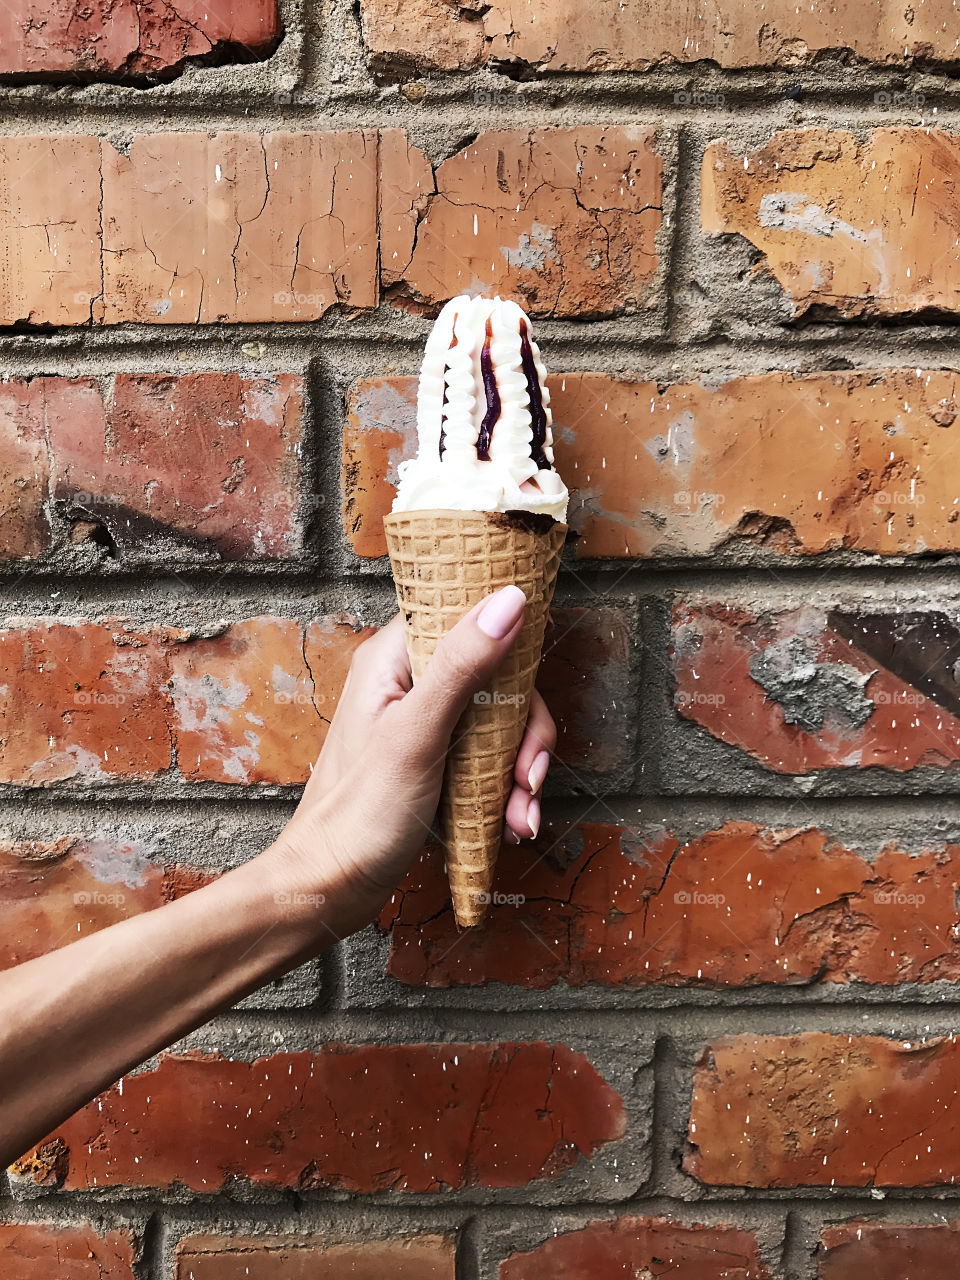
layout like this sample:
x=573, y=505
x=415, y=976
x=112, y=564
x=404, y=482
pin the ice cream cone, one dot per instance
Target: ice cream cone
x=443, y=563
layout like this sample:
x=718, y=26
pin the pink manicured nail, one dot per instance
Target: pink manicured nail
x=533, y=816
x=538, y=770
x=501, y=612
x=510, y=835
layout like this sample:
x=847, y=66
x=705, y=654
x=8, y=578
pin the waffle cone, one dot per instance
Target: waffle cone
x=443, y=563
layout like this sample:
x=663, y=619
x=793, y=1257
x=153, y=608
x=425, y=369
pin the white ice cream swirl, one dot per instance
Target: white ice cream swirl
x=483, y=417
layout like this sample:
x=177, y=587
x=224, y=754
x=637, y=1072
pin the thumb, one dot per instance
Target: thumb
x=464, y=660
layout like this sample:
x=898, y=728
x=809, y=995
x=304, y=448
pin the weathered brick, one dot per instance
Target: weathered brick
x=426, y=1257
x=419, y=1117
x=252, y=704
x=641, y=1247
x=119, y=38
x=37, y=1251
x=238, y=226
x=95, y=701
x=49, y=228
x=814, y=688
x=24, y=468
x=212, y=459
x=865, y=1250
x=854, y=227
x=628, y=906
x=565, y=220
x=545, y=36
x=80, y=701
x=824, y=1110
x=54, y=892
x=793, y=464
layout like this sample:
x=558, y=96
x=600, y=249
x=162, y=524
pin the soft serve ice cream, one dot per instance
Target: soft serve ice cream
x=483, y=417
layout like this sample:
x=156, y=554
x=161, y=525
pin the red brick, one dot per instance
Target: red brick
x=209, y=456
x=626, y=907
x=864, y=1250
x=81, y=701
x=581, y=243
x=855, y=227
x=110, y=38
x=54, y=892
x=815, y=688
x=427, y=1257
x=793, y=464
x=252, y=704
x=824, y=1110
x=420, y=1117
x=36, y=1251
x=544, y=36
x=641, y=1247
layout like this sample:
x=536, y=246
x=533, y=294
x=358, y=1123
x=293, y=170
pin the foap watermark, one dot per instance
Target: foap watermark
x=898, y=698
x=698, y=698
x=498, y=899
x=94, y=898
x=694, y=898
x=698, y=98
x=492, y=97
x=298, y=697
x=293, y=298
x=895, y=898
x=688, y=498
x=897, y=498
x=94, y=698
x=885, y=98
x=298, y=899
x=497, y=698
x=98, y=499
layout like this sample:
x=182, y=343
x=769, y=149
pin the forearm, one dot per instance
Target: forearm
x=74, y=1021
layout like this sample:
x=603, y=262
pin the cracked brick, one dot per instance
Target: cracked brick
x=626, y=907
x=854, y=228
x=135, y=40
x=824, y=1110
x=359, y=1118
x=542, y=36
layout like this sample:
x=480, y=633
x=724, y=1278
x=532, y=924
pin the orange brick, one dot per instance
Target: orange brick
x=793, y=464
x=252, y=704
x=52, y=893
x=856, y=227
x=82, y=702
x=25, y=466
x=108, y=38
x=426, y=1257
x=581, y=242
x=49, y=228
x=825, y=1110
x=638, y=34
x=235, y=226
x=865, y=1250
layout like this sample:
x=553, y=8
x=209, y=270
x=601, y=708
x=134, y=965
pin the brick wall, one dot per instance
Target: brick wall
x=709, y=1029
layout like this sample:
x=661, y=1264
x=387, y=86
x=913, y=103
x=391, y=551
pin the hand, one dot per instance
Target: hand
x=367, y=808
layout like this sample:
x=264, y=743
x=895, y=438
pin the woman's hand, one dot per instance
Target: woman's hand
x=367, y=808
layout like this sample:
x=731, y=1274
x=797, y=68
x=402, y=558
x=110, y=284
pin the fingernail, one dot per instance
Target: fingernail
x=533, y=816
x=538, y=770
x=501, y=612
x=510, y=835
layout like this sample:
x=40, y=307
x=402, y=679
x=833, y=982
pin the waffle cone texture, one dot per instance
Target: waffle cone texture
x=443, y=563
